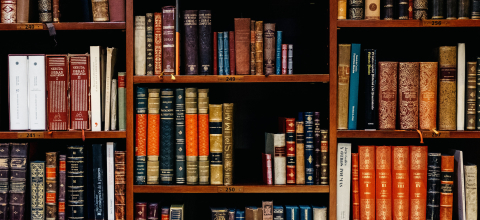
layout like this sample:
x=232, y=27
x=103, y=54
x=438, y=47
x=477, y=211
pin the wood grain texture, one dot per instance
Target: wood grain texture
x=246, y=79
x=332, y=111
x=130, y=113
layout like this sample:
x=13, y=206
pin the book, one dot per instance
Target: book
x=191, y=130
x=387, y=92
x=149, y=26
x=231, y=51
x=57, y=87
x=219, y=213
x=418, y=182
x=355, y=188
x=366, y=157
x=447, y=110
x=291, y=212
x=290, y=148
x=278, y=53
x=290, y=59
x=110, y=173
x=36, y=93
x=140, y=211
x=62, y=178
x=433, y=186
x=343, y=85
x=317, y=148
x=79, y=91
x=278, y=213
x=141, y=136
x=190, y=22
x=120, y=185
x=353, y=88
x=408, y=87
x=324, y=157
x=383, y=175
x=270, y=149
x=98, y=184
x=319, y=213
x=251, y=213
x=45, y=11
x=169, y=38
x=309, y=149
x=37, y=181
x=226, y=53
x=355, y=9
x=446, y=189
x=280, y=160
x=461, y=87
x=158, y=43
x=239, y=215
x=475, y=10
x=18, y=87
x=400, y=182
x=300, y=150
x=471, y=96
x=103, y=76
x=471, y=198
x=458, y=186
x=343, y=175
x=22, y=11
x=388, y=10
x=452, y=9
x=371, y=12
x=221, y=63
x=269, y=48
x=100, y=10
x=8, y=11
x=205, y=42
x=342, y=10
x=113, y=106
x=165, y=213
x=153, y=211
x=253, y=40
x=427, y=114
x=259, y=48
x=110, y=68
x=18, y=179
x=140, y=43
x=267, y=169
x=477, y=122
x=180, y=164
x=284, y=59
x=176, y=212
x=153, y=135
x=305, y=212
x=95, y=88
x=4, y=178
x=371, y=89
x=267, y=208
x=215, y=53
x=203, y=137
x=420, y=9
x=116, y=9
x=51, y=159
x=438, y=9
x=75, y=182
x=216, y=144
x=227, y=130
x=167, y=136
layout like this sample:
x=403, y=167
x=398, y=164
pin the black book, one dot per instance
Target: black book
x=371, y=89
x=477, y=123
x=149, y=43
x=75, y=182
x=191, y=42
x=403, y=9
x=205, y=40
x=452, y=9
x=433, y=186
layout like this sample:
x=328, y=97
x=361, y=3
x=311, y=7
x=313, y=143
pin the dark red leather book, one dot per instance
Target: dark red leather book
x=267, y=168
x=168, y=31
x=281, y=125
x=231, y=48
x=410, y=9
x=242, y=46
x=284, y=59
x=355, y=188
x=418, y=182
x=140, y=211
x=116, y=8
x=383, y=182
x=400, y=181
x=79, y=92
x=291, y=148
x=366, y=158
x=215, y=53
x=57, y=99
x=446, y=191
x=387, y=100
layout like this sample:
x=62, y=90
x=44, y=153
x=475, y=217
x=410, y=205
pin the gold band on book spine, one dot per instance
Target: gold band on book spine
x=259, y=48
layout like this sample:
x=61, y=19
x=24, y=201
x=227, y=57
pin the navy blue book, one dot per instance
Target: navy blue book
x=167, y=136
x=306, y=212
x=141, y=161
x=221, y=68
x=291, y=212
x=240, y=215
x=180, y=164
x=353, y=90
x=278, y=213
x=371, y=89
x=309, y=149
x=99, y=182
x=433, y=185
x=205, y=41
x=219, y=213
x=278, y=54
x=226, y=51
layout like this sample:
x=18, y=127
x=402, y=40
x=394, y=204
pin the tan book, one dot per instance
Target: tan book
x=140, y=49
x=228, y=143
x=427, y=116
x=343, y=73
x=408, y=80
x=100, y=10
x=447, y=96
x=259, y=48
x=342, y=9
x=216, y=144
x=152, y=172
x=372, y=9
x=300, y=153
x=23, y=11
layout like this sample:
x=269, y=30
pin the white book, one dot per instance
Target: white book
x=111, y=180
x=460, y=189
x=344, y=175
x=461, y=87
x=18, y=92
x=319, y=213
x=111, y=56
x=95, y=88
x=36, y=93
x=113, y=106
x=281, y=160
x=471, y=200
x=140, y=50
x=103, y=71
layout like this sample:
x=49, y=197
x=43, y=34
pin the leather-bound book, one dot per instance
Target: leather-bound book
x=56, y=10
x=400, y=182
x=471, y=96
x=79, y=92
x=23, y=11
x=228, y=141
x=366, y=156
x=427, y=98
x=157, y=31
x=141, y=136
x=191, y=138
x=291, y=149
x=253, y=37
x=290, y=59
x=464, y=9
x=8, y=11
x=62, y=179
x=477, y=123
x=355, y=9
x=215, y=53
x=205, y=42
x=259, y=48
x=316, y=147
x=153, y=136
x=355, y=188
x=403, y=9
x=100, y=10
x=280, y=160
x=75, y=182
x=410, y=9
x=342, y=9
x=167, y=136
x=190, y=23
x=141, y=211
x=305, y=212
x=120, y=185
x=291, y=212
x=231, y=51
x=446, y=187
x=343, y=85
x=45, y=11
x=149, y=24
x=284, y=59
x=420, y=8
x=165, y=213
x=243, y=40
x=221, y=68
x=324, y=157
x=383, y=182
x=226, y=53
x=18, y=179
x=180, y=164
x=4, y=178
x=278, y=53
x=309, y=149
x=475, y=9
x=433, y=186
x=447, y=110
x=140, y=43
x=116, y=9
x=57, y=86
x=387, y=91
x=388, y=10
x=267, y=208
x=267, y=169
x=372, y=10
x=169, y=39
x=219, y=213
x=269, y=48
x=438, y=9
x=300, y=150
x=418, y=182
x=51, y=159
x=408, y=83
x=153, y=211
x=471, y=199
x=203, y=137
x=452, y=9
x=37, y=181
x=216, y=144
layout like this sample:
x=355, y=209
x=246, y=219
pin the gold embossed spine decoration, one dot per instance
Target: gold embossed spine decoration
x=447, y=97
x=387, y=101
x=471, y=95
x=259, y=48
x=427, y=116
x=100, y=10
x=408, y=80
x=343, y=85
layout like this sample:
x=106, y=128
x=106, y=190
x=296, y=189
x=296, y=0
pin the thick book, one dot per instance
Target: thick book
x=408, y=86
x=167, y=136
x=343, y=72
x=366, y=157
x=459, y=185
x=278, y=53
x=158, y=45
x=75, y=182
x=372, y=12
x=36, y=93
x=400, y=182
x=79, y=91
x=269, y=48
x=461, y=86
x=418, y=182
x=62, y=179
x=51, y=165
x=475, y=10
x=342, y=9
x=353, y=90
x=438, y=11
x=109, y=74
x=221, y=68
x=383, y=181
x=324, y=157
x=344, y=151
x=471, y=196
x=433, y=186
x=259, y=48
x=116, y=9
x=140, y=46
x=447, y=110
x=57, y=87
x=95, y=88
x=356, y=9
x=280, y=160
x=141, y=136
x=388, y=10
x=98, y=181
x=45, y=11
x=290, y=59
x=153, y=136
x=122, y=102
x=190, y=22
x=267, y=208
x=18, y=179
x=215, y=53
x=153, y=211
x=319, y=213
x=169, y=39
x=149, y=25
x=228, y=123
x=18, y=87
x=203, y=137
x=371, y=89
x=355, y=188
x=317, y=143
x=205, y=42
x=309, y=149
x=300, y=150
x=176, y=212
x=452, y=9
x=231, y=51
x=191, y=131
x=219, y=213
x=239, y=215
x=100, y=10
x=37, y=182
x=110, y=180
x=291, y=212
x=305, y=212
x=253, y=38
x=267, y=169
x=464, y=9
x=427, y=98
x=180, y=164
x=226, y=53
x=120, y=185
x=471, y=96
x=387, y=92
x=216, y=143
x=446, y=188
x=420, y=8
x=291, y=148
x=8, y=11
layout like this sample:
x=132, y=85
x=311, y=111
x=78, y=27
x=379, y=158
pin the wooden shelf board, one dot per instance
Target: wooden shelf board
x=64, y=26
x=405, y=134
x=63, y=134
x=407, y=23
x=238, y=78
x=246, y=188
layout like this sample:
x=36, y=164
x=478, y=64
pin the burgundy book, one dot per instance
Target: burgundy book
x=215, y=53
x=291, y=149
x=168, y=31
x=79, y=92
x=57, y=99
x=387, y=101
x=242, y=46
x=267, y=168
x=153, y=211
x=282, y=126
x=231, y=49
x=140, y=211
x=284, y=59
x=62, y=174
x=116, y=9
x=157, y=35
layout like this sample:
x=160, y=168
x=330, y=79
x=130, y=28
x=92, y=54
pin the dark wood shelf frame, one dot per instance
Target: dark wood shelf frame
x=245, y=188
x=232, y=78
x=405, y=134
x=407, y=23
x=64, y=26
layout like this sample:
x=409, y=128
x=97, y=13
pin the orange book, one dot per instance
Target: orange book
x=355, y=191
x=446, y=183
x=383, y=182
x=191, y=135
x=153, y=131
x=418, y=182
x=203, y=137
x=141, y=135
x=400, y=182
x=366, y=156
x=191, y=130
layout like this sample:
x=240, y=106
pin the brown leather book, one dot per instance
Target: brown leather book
x=387, y=101
x=418, y=182
x=100, y=10
x=259, y=48
x=446, y=187
x=343, y=85
x=447, y=106
x=168, y=27
x=157, y=35
x=242, y=46
x=427, y=116
x=408, y=81
x=471, y=95
x=56, y=10
x=383, y=182
x=231, y=49
x=23, y=11
x=252, y=47
x=120, y=185
x=117, y=10
x=269, y=48
x=400, y=182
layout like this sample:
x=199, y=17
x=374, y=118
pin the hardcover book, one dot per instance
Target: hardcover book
x=107, y=92
x=461, y=87
x=278, y=213
x=36, y=93
x=113, y=106
x=388, y=10
x=165, y=213
x=37, y=181
x=355, y=188
x=267, y=208
x=371, y=89
x=343, y=85
x=180, y=164
x=408, y=80
x=8, y=11
x=219, y=213
x=446, y=188
x=205, y=42
x=459, y=185
x=291, y=148
x=158, y=43
x=267, y=169
x=433, y=186
x=383, y=182
x=216, y=144
x=427, y=119
x=191, y=129
x=79, y=92
x=290, y=59
x=400, y=182
x=149, y=24
x=226, y=53
x=22, y=11
x=57, y=87
x=176, y=212
x=269, y=47
x=96, y=52
x=190, y=22
x=278, y=53
x=167, y=137
x=51, y=187
x=418, y=182
x=141, y=136
x=324, y=157
x=98, y=181
x=477, y=123
x=342, y=9
x=4, y=178
x=438, y=7
x=366, y=156
x=231, y=51
x=353, y=90
x=447, y=110
x=343, y=175
x=291, y=212
x=309, y=149
x=471, y=96
x=141, y=211
x=471, y=200
x=228, y=123
x=242, y=45
x=140, y=43
x=203, y=137
x=259, y=48
x=75, y=182
x=387, y=91
x=215, y=53
x=452, y=9
x=45, y=11
x=153, y=211
x=153, y=134
x=221, y=68
x=319, y=213
x=169, y=39
x=280, y=159
x=62, y=174
x=317, y=148
x=300, y=150
x=372, y=12
x=18, y=87
x=116, y=10
x=120, y=185
x=100, y=10
x=284, y=59
x=356, y=9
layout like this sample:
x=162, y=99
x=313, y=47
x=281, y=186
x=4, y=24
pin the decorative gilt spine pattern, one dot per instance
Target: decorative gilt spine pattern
x=259, y=48
x=418, y=182
x=157, y=31
x=388, y=95
x=400, y=182
x=367, y=182
x=408, y=94
x=447, y=111
x=343, y=85
x=471, y=95
x=428, y=96
x=342, y=9
x=383, y=182
x=228, y=143
x=45, y=10
x=446, y=187
x=100, y=10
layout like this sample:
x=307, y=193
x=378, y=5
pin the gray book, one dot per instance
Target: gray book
x=471, y=200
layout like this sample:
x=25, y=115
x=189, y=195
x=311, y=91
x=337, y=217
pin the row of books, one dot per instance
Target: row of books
x=18, y=11
x=253, y=48
x=397, y=182
x=299, y=151
x=182, y=138
x=408, y=9
x=152, y=210
x=268, y=211
x=67, y=92
x=416, y=87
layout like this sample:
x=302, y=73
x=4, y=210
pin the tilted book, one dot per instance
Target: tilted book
x=190, y=22
x=95, y=88
x=427, y=114
x=366, y=157
x=408, y=84
x=344, y=151
x=167, y=136
x=158, y=46
x=461, y=87
x=355, y=188
x=191, y=131
x=433, y=186
x=169, y=39
x=228, y=146
x=51, y=166
x=446, y=188
x=400, y=182
x=471, y=96
x=459, y=186
x=259, y=48
x=122, y=102
x=57, y=87
x=447, y=110
x=353, y=90
x=291, y=149
x=471, y=196
x=280, y=160
x=383, y=174
x=216, y=144
x=418, y=182
x=309, y=149
x=140, y=43
x=120, y=185
x=79, y=91
x=37, y=181
x=269, y=47
x=141, y=136
x=300, y=150
x=205, y=42
x=180, y=164
x=387, y=92
x=203, y=137
x=36, y=93
x=149, y=24
x=343, y=73
x=153, y=135
x=17, y=88
x=110, y=68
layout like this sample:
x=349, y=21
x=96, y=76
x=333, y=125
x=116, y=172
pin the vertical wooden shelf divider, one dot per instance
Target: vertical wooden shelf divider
x=130, y=109
x=333, y=109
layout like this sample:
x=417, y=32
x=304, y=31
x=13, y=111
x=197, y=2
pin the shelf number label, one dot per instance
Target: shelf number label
x=230, y=78
x=431, y=134
x=230, y=189
x=436, y=23
x=31, y=26
x=28, y=135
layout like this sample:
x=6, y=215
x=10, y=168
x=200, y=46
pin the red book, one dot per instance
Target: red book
x=140, y=211
x=79, y=90
x=400, y=182
x=215, y=53
x=231, y=47
x=383, y=182
x=267, y=168
x=355, y=188
x=157, y=31
x=418, y=182
x=446, y=192
x=291, y=148
x=410, y=9
x=57, y=99
x=366, y=158
x=281, y=125
x=284, y=59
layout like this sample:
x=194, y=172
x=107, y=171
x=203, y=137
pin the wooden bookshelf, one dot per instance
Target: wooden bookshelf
x=64, y=26
x=231, y=189
x=232, y=79
x=406, y=134
x=407, y=23
x=61, y=134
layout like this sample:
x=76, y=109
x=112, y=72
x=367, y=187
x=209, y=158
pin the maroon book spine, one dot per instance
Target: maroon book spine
x=62, y=173
x=267, y=169
x=410, y=9
x=140, y=211
x=231, y=45
x=117, y=10
x=284, y=59
x=168, y=30
x=79, y=90
x=57, y=99
x=157, y=36
x=215, y=53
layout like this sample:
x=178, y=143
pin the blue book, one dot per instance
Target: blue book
x=240, y=215
x=226, y=57
x=291, y=212
x=141, y=161
x=354, y=81
x=167, y=137
x=305, y=212
x=180, y=164
x=278, y=51
x=278, y=212
x=221, y=69
x=98, y=183
x=309, y=149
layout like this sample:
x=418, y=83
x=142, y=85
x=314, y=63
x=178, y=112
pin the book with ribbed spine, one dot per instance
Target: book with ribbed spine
x=167, y=136
x=221, y=68
x=4, y=178
x=277, y=212
x=140, y=49
x=158, y=46
x=446, y=187
x=300, y=150
x=343, y=85
x=253, y=38
x=366, y=157
x=149, y=24
x=428, y=96
x=57, y=86
x=259, y=48
x=291, y=149
x=205, y=42
x=120, y=185
x=355, y=188
x=180, y=165
x=98, y=182
x=9, y=11
x=153, y=135
x=447, y=96
x=433, y=186
x=383, y=182
x=62, y=174
x=176, y=212
x=226, y=53
x=203, y=137
x=317, y=148
x=387, y=90
x=140, y=210
x=418, y=182
x=191, y=129
x=309, y=149
x=75, y=182
x=269, y=48
x=477, y=122
x=190, y=22
x=343, y=175
x=471, y=96
x=324, y=157
x=51, y=159
x=37, y=181
x=216, y=143
x=45, y=11
x=169, y=39
x=291, y=212
x=471, y=200
x=141, y=136
x=353, y=90
x=228, y=146
x=305, y=212
x=280, y=159
x=18, y=178
x=79, y=91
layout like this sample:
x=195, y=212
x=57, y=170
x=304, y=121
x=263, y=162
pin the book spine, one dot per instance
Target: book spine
x=309, y=148
x=324, y=157
x=428, y=96
x=355, y=9
x=317, y=140
x=446, y=187
x=153, y=135
x=305, y=212
x=176, y=212
x=269, y=47
x=203, y=137
x=226, y=53
x=116, y=10
x=410, y=9
x=278, y=53
x=290, y=147
x=153, y=211
x=280, y=159
x=140, y=211
x=99, y=191
x=366, y=156
x=447, y=111
x=22, y=11
x=8, y=11
x=300, y=150
x=221, y=68
x=149, y=24
x=51, y=159
x=180, y=165
x=284, y=59
x=100, y=10
x=240, y=215
x=62, y=174
x=259, y=48
x=205, y=41
x=461, y=87
x=57, y=85
x=165, y=213
x=141, y=137
x=372, y=12
x=383, y=182
x=18, y=178
x=18, y=87
x=277, y=213
x=79, y=92
x=267, y=169
x=403, y=9
x=475, y=9
x=438, y=9
x=120, y=185
x=177, y=32
x=169, y=39
x=291, y=212
x=140, y=43
x=290, y=59
x=388, y=10
x=75, y=182
x=167, y=143
x=215, y=53
x=242, y=45
x=106, y=89
x=253, y=37
x=408, y=80
x=477, y=123
x=228, y=141
x=463, y=9
x=418, y=182
x=122, y=110
x=433, y=186
x=95, y=88
x=452, y=9
x=110, y=188
x=471, y=97
x=157, y=31
x=319, y=213
x=471, y=201
x=420, y=9
x=191, y=130
x=353, y=90
x=36, y=93
x=371, y=87
x=355, y=188
x=267, y=207
x=387, y=102
x=190, y=22
x=231, y=49
x=37, y=181
x=45, y=11
x=400, y=182
x=343, y=175
x=343, y=85
x=342, y=9
x=216, y=144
